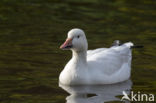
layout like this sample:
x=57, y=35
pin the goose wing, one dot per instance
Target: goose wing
x=110, y=60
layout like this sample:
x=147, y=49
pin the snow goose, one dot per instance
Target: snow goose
x=93, y=67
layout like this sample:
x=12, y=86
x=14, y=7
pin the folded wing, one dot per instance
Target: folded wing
x=110, y=60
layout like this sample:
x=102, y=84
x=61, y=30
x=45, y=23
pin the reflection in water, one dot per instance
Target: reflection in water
x=96, y=94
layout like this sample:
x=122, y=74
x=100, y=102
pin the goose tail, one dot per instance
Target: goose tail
x=131, y=45
x=128, y=44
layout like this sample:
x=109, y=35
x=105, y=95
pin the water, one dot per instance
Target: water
x=31, y=32
x=96, y=93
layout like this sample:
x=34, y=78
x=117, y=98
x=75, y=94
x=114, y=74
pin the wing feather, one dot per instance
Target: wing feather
x=109, y=60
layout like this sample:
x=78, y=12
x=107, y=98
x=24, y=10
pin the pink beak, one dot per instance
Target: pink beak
x=67, y=44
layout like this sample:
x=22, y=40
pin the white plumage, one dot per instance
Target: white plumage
x=99, y=66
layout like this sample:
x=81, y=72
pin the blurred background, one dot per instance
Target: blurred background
x=31, y=32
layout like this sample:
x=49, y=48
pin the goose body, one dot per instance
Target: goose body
x=93, y=67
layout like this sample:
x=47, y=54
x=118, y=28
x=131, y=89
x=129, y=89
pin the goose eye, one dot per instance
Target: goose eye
x=78, y=36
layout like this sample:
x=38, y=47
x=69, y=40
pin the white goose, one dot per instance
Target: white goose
x=93, y=67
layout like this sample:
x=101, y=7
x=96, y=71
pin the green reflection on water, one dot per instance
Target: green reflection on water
x=31, y=32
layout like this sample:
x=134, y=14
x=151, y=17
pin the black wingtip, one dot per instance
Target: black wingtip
x=137, y=46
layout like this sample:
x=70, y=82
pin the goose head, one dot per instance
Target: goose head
x=76, y=40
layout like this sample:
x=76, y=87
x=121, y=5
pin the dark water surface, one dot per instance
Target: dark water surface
x=31, y=32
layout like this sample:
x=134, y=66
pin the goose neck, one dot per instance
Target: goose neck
x=79, y=56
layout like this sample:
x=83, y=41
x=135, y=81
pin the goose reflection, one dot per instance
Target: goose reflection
x=96, y=94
